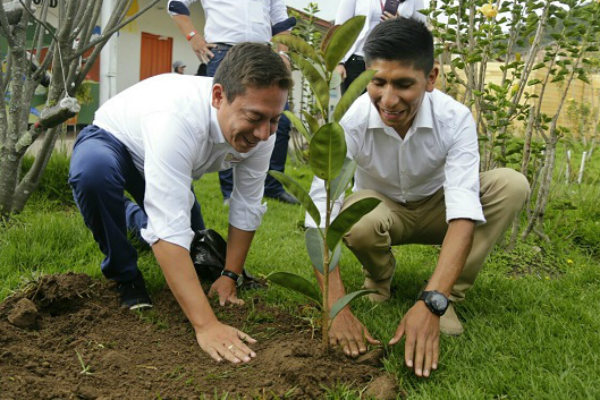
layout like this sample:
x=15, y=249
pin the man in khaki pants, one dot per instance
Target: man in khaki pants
x=416, y=149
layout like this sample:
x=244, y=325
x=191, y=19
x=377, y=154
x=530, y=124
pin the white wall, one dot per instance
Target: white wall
x=157, y=22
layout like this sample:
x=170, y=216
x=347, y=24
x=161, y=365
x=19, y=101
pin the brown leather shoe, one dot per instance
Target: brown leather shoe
x=383, y=287
x=449, y=322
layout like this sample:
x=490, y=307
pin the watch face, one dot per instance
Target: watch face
x=439, y=302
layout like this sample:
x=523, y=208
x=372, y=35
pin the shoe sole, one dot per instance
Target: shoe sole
x=140, y=306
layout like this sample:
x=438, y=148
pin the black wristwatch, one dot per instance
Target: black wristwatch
x=238, y=279
x=435, y=301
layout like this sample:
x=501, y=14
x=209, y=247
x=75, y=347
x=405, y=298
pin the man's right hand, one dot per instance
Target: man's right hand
x=201, y=48
x=347, y=331
x=222, y=341
x=341, y=70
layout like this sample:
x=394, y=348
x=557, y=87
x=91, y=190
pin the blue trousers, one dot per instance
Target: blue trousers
x=272, y=186
x=101, y=171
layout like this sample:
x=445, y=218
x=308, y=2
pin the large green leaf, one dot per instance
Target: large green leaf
x=314, y=245
x=327, y=151
x=298, y=124
x=354, y=90
x=312, y=122
x=341, y=303
x=296, y=283
x=349, y=217
x=317, y=82
x=298, y=45
x=342, y=39
x=340, y=183
x=298, y=191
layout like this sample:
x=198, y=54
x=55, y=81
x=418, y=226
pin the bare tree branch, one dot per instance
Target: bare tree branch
x=106, y=35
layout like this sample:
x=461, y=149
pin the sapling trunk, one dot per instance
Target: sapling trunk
x=326, y=261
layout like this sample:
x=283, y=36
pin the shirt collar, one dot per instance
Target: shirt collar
x=423, y=119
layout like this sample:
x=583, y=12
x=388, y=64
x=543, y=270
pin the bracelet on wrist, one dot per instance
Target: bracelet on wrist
x=190, y=35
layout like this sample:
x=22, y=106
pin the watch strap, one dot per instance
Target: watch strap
x=190, y=35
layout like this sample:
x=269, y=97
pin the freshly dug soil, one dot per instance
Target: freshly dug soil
x=66, y=338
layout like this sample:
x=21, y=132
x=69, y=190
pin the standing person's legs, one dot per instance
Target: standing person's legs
x=273, y=188
x=100, y=168
x=354, y=67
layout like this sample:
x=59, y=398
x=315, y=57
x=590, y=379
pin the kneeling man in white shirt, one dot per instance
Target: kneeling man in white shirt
x=152, y=140
x=416, y=149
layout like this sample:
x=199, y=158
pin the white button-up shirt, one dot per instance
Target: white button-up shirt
x=236, y=21
x=372, y=9
x=439, y=150
x=171, y=130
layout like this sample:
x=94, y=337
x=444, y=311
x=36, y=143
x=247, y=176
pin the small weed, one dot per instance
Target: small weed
x=85, y=369
x=153, y=317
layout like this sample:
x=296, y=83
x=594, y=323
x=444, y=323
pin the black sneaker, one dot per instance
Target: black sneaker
x=133, y=294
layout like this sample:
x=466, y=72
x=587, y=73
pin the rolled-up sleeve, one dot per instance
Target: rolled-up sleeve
x=461, y=186
x=168, y=164
x=179, y=7
x=245, y=208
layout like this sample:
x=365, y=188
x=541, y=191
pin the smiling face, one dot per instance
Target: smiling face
x=397, y=90
x=251, y=117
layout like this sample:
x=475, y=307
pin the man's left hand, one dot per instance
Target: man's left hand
x=225, y=288
x=422, y=331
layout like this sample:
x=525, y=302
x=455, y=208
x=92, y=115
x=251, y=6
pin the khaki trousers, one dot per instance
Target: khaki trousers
x=503, y=193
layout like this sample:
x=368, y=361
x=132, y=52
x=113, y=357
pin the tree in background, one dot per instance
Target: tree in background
x=537, y=43
x=26, y=66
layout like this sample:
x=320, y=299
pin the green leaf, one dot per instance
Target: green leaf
x=314, y=245
x=340, y=183
x=341, y=303
x=297, y=45
x=312, y=122
x=342, y=39
x=317, y=83
x=296, y=283
x=298, y=124
x=347, y=218
x=298, y=191
x=355, y=89
x=327, y=151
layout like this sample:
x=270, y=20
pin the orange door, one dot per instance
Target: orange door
x=156, y=55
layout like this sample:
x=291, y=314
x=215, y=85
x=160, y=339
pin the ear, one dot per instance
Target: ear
x=432, y=77
x=218, y=95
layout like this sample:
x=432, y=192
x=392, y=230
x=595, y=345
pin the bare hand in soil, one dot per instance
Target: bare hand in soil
x=222, y=341
x=422, y=330
x=225, y=288
x=347, y=331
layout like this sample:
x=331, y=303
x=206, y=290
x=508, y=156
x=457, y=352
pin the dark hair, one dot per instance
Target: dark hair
x=402, y=39
x=251, y=65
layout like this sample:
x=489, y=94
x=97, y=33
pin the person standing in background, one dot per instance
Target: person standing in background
x=353, y=63
x=229, y=22
x=179, y=67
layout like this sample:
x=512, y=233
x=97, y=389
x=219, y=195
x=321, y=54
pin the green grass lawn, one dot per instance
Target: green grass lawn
x=532, y=320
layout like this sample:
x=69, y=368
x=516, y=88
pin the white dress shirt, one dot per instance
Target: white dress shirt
x=171, y=130
x=439, y=150
x=372, y=9
x=236, y=21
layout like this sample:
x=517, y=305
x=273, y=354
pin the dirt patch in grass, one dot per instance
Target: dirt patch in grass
x=71, y=341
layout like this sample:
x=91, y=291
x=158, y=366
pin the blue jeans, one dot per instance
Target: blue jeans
x=101, y=170
x=272, y=186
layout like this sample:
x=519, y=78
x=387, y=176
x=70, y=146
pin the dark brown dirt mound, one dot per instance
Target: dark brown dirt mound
x=75, y=343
